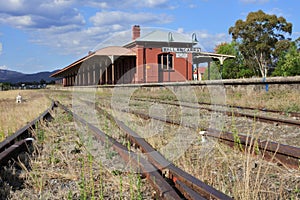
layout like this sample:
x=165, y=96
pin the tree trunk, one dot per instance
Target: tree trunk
x=262, y=65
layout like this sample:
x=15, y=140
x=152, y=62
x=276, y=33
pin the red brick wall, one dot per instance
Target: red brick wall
x=139, y=65
x=182, y=68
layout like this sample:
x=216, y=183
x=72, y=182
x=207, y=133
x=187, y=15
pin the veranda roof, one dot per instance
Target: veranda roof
x=107, y=51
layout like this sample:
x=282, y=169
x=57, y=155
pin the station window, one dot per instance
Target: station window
x=165, y=61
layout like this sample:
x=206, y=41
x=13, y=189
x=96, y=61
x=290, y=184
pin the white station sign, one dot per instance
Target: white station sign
x=181, y=50
x=181, y=55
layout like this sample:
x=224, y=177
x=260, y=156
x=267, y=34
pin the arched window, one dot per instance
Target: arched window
x=165, y=61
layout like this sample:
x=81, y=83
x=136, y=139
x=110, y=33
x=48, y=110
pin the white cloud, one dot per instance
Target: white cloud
x=154, y=3
x=3, y=67
x=11, y=5
x=60, y=24
x=36, y=7
x=119, y=17
x=17, y=21
x=208, y=41
x=102, y=5
x=71, y=40
x=39, y=14
x=124, y=4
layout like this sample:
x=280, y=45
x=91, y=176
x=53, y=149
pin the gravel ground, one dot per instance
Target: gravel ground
x=65, y=165
x=238, y=174
x=284, y=134
x=69, y=165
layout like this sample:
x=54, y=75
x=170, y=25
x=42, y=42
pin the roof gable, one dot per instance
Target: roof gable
x=163, y=36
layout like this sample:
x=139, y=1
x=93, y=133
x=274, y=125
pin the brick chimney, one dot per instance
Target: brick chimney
x=136, y=32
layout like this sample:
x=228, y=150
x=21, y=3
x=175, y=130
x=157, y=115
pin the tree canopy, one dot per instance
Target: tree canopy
x=232, y=68
x=288, y=62
x=260, y=38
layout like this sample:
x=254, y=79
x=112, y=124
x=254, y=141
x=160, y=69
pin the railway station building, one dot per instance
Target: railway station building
x=158, y=56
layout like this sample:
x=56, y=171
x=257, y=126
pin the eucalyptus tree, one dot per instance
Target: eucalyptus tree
x=233, y=68
x=258, y=37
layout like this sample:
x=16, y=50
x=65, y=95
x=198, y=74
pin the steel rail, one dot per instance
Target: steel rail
x=180, y=178
x=162, y=187
x=189, y=186
x=16, y=143
x=272, y=151
x=236, y=114
x=14, y=150
x=292, y=114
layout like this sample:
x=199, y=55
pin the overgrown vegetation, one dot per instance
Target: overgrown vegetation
x=16, y=115
x=65, y=167
x=243, y=175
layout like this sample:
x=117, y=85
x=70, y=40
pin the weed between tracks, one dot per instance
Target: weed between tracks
x=66, y=167
x=283, y=100
x=240, y=175
x=70, y=165
x=237, y=174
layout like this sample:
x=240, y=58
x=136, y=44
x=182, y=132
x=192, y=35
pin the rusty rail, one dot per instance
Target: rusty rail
x=163, y=189
x=234, y=113
x=271, y=151
x=292, y=114
x=18, y=142
x=189, y=186
x=284, y=154
x=14, y=150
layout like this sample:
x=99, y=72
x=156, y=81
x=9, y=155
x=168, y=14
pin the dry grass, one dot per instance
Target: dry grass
x=287, y=101
x=67, y=166
x=16, y=115
x=65, y=169
x=240, y=175
x=283, y=100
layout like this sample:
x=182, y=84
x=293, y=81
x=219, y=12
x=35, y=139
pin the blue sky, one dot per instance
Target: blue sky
x=46, y=35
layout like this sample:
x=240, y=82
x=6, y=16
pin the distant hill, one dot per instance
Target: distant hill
x=18, y=77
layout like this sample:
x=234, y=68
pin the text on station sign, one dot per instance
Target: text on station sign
x=181, y=50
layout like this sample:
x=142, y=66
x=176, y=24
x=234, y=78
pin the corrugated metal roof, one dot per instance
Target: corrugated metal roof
x=164, y=36
x=107, y=51
x=115, y=51
x=72, y=65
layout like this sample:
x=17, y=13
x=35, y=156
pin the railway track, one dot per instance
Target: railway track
x=22, y=139
x=168, y=181
x=260, y=118
x=291, y=114
x=184, y=182
x=272, y=151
